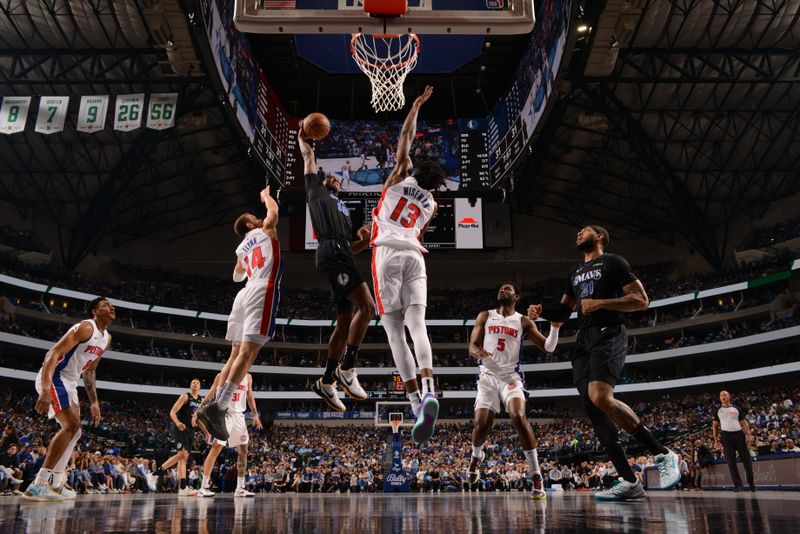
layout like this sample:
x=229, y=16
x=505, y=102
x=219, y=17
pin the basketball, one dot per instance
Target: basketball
x=316, y=126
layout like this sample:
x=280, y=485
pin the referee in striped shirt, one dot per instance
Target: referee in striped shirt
x=732, y=429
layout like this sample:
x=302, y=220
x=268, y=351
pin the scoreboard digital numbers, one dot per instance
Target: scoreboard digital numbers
x=395, y=388
x=474, y=154
x=271, y=137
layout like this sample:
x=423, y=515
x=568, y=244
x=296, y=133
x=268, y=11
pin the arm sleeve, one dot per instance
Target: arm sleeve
x=622, y=271
x=313, y=185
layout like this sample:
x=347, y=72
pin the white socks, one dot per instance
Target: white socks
x=226, y=394
x=477, y=451
x=205, y=483
x=427, y=386
x=416, y=401
x=532, y=456
x=240, y=483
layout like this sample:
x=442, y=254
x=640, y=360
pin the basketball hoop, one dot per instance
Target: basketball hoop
x=386, y=60
x=395, y=420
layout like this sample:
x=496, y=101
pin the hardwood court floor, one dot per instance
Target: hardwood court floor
x=678, y=512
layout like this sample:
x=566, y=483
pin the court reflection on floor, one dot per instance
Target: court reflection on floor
x=446, y=513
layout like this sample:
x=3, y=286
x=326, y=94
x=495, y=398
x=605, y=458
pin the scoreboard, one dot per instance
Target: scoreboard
x=271, y=138
x=395, y=388
x=457, y=223
x=474, y=154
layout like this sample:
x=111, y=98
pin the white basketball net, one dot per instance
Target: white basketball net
x=386, y=60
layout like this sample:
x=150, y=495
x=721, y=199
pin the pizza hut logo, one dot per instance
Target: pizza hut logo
x=468, y=222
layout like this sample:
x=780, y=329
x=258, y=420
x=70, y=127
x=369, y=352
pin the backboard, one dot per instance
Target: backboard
x=424, y=17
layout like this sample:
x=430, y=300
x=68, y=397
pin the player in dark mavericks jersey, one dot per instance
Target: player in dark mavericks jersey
x=181, y=415
x=351, y=296
x=602, y=289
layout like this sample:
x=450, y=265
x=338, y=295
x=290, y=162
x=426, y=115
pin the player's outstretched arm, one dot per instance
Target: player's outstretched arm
x=634, y=298
x=309, y=160
x=546, y=344
x=251, y=403
x=270, y=225
x=90, y=385
x=77, y=334
x=406, y=139
x=476, y=338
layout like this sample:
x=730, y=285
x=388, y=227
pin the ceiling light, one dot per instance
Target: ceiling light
x=583, y=28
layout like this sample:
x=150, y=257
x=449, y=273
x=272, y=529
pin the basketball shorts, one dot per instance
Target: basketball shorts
x=399, y=279
x=184, y=439
x=336, y=261
x=493, y=390
x=237, y=430
x=63, y=394
x=600, y=354
x=260, y=311
x=236, y=318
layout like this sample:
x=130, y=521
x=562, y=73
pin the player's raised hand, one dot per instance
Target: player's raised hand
x=426, y=94
x=264, y=194
x=302, y=142
x=534, y=311
x=95, y=409
x=43, y=403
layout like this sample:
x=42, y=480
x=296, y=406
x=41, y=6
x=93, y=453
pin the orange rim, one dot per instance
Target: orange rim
x=385, y=36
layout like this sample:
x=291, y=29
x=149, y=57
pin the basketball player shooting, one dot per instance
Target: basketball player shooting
x=335, y=259
x=259, y=255
x=401, y=217
x=77, y=353
x=496, y=342
x=602, y=289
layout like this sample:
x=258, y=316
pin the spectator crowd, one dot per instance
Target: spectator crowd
x=123, y=452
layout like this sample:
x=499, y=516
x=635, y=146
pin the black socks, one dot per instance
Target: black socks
x=330, y=367
x=349, y=359
x=648, y=440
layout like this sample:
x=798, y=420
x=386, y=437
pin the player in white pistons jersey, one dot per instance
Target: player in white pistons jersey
x=238, y=435
x=77, y=353
x=399, y=279
x=496, y=342
x=259, y=257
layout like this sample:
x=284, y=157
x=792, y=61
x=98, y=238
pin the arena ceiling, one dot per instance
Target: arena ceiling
x=678, y=119
x=110, y=184
x=675, y=119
